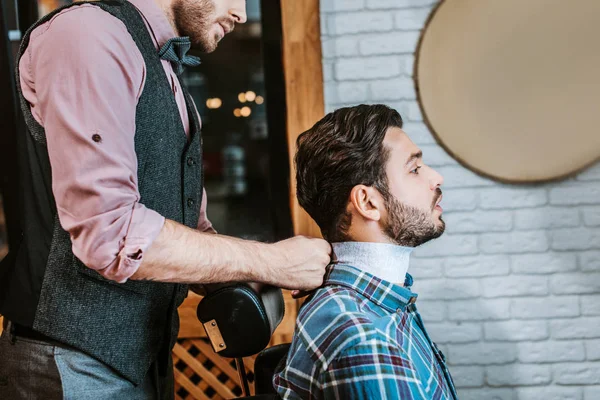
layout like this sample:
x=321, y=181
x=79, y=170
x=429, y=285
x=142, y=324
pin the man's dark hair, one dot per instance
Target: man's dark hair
x=344, y=149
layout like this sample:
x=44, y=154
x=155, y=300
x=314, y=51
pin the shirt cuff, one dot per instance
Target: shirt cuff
x=144, y=228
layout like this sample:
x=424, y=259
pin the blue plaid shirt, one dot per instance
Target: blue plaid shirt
x=360, y=337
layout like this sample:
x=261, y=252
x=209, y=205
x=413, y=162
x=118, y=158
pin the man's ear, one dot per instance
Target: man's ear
x=367, y=201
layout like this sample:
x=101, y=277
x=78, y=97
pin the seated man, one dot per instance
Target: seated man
x=363, y=181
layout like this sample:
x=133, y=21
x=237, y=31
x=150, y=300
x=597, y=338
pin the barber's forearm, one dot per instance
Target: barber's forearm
x=181, y=254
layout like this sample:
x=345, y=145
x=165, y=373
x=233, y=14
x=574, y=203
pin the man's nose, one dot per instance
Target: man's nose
x=238, y=12
x=436, y=180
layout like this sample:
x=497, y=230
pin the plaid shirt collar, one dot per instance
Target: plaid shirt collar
x=383, y=293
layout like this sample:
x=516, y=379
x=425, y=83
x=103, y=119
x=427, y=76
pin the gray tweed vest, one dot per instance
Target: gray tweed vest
x=44, y=286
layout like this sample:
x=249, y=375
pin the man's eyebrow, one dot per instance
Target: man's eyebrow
x=414, y=156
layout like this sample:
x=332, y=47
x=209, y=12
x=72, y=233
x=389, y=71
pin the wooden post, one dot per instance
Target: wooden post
x=303, y=71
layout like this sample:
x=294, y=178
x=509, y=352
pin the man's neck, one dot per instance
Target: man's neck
x=386, y=261
x=165, y=6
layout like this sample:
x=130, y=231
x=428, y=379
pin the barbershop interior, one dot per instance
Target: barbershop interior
x=499, y=106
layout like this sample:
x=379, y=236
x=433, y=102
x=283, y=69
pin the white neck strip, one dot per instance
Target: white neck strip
x=386, y=261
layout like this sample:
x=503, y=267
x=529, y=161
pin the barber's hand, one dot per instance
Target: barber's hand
x=303, y=263
x=298, y=294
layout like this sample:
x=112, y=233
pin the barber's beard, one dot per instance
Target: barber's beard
x=411, y=226
x=194, y=18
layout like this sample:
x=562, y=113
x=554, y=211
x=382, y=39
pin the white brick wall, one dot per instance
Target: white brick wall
x=591, y=393
x=519, y=374
x=592, y=349
x=590, y=305
x=549, y=393
x=512, y=290
x=589, y=260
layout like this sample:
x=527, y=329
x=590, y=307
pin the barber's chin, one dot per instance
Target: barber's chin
x=217, y=37
x=218, y=33
x=208, y=45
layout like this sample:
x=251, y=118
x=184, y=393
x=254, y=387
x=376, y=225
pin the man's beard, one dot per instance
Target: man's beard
x=411, y=226
x=193, y=18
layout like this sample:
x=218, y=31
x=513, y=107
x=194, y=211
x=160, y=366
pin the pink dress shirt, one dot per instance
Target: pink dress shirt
x=82, y=75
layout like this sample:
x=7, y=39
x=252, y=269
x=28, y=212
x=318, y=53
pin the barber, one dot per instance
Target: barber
x=113, y=206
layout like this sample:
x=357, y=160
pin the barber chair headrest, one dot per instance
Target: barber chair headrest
x=241, y=318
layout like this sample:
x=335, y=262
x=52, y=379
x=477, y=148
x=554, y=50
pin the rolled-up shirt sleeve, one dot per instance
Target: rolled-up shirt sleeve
x=82, y=75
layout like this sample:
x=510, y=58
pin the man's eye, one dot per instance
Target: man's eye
x=415, y=171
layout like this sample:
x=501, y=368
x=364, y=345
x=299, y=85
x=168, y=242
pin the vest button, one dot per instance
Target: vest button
x=190, y=161
x=190, y=202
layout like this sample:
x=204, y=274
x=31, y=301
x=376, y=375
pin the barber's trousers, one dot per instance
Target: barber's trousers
x=34, y=369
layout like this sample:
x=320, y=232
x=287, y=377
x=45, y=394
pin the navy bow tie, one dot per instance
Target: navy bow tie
x=175, y=51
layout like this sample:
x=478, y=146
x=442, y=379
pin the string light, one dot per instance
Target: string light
x=250, y=95
x=214, y=103
x=242, y=97
x=259, y=100
x=237, y=112
x=246, y=111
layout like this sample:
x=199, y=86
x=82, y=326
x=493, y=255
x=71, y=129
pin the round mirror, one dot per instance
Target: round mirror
x=511, y=88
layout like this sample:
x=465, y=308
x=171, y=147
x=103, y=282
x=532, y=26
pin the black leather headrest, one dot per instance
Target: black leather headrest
x=244, y=315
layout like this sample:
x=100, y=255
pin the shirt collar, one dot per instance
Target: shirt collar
x=157, y=21
x=384, y=260
x=383, y=293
